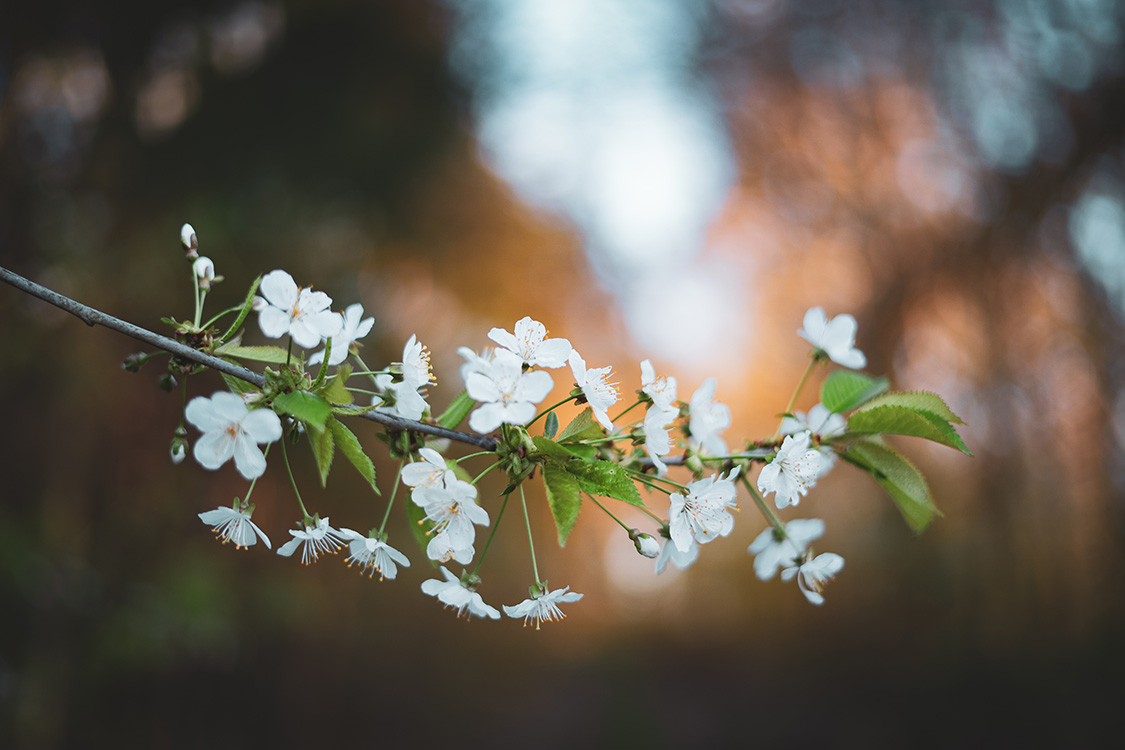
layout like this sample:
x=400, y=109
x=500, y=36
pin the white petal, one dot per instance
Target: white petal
x=279, y=288
x=213, y=449
x=249, y=459
x=263, y=426
x=273, y=322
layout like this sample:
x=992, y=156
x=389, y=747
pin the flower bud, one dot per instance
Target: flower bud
x=204, y=272
x=167, y=382
x=189, y=241
x=134, y=362
x=178, y=449
x=646, y=544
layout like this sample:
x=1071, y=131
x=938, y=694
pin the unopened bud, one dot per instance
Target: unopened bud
x=204, y=272
x=178, y=449
x=134, y=362
x=189, y=241
x=167, y=382
x=646, y=544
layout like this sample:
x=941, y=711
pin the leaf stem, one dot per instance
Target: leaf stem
x=530, y=541
x=548, y=410
x=615, y=518
x=491, y=534
x=797, y=392
x=292, y=481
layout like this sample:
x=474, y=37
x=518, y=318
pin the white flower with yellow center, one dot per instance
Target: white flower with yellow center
x=834, y=338
x=545, y=606
x=315, y=539
x=354, y=327
x=301, y=313
x=708, y=418
x=792, y=472
x=599, y=393
x=506, y=392
x=230, y=430
x=453, y=510
x=813, y=574
x=461, y=595
x=431, y=471
x=773, y=550
x=702, y=515
x=822, y=423
x=530, y=343
x=373, y=555
x=234, y=525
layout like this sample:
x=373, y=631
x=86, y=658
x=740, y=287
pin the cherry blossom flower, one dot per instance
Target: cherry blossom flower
x=506, y=392
x=402, y=397
x=480, y=363
x=416, y=364
x=662, y=390
x=835, y=338
x=598, y=393
x=702, y=515
x=792, y=472
x=231, y=430
x=354, y=327
x=822, y=423
x=530, y=343
x=301, y=313
x=771, y=551
x=545, y=606
x=234, y=525
x=315, y=539
x=453, y=592
x=431, y=471
x=813, y=574
x=670, y=554
x=708, y=418
x=453, y=511
x=658, y=439
x=373, y=555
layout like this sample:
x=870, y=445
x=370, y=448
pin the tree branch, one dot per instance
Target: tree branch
x=92, y=317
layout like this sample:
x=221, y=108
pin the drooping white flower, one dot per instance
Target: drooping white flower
x=819, y=422
x=314, y=539
x=373, y=555
x=453, y=511
x=354, y=327
x=530, y=343
x=234, y=526
x=542, y=607
x=231, y=430
x=506, y=393
x=772, y=552
x=813, y=574
x=661, y=390
x=301, y=313
x=835, y=337
x=792, y=472
x=204, y=271
x=670, y=553
x=658, y=438
x=431, y=471
x=703, y=514
x=708, y=418
x=599, y=393
x=452, y=592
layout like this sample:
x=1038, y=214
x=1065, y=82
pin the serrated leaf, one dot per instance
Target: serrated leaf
x=905, y=420
x=420, y=526
x=563, y=453
x=551, y=425
x=310, y=408
x=336, y=392
x=844, y=390
x=354, y=411
x=564, y=497
x=899, y=477
x=324, y=448
x=349, y=445
x=918, y=400
x=456, y=412
x=605, y=479
x=237, y=385
x=272, y=354
x=582, y=427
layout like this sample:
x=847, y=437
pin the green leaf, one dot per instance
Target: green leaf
x=336, y=392
x=310, y=408
x=237, y=385
x=564, y=497
x=551, y=425
x=456, y=412
x=323, y=448
x=582, y=427
x=354, y=411
x=899, y=477
x=420, y=527
x=246, y=307
x=349, y=445
x=606, y=479
x=272, y=354
x=844, y=390
x=904, y=420
x=551, y=449
x=917, y=400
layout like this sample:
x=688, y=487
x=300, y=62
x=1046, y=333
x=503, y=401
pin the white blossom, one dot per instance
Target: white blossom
x=658, y=438
x=431, y=471
x=354, y=327
x=231, y=430
x=301, y=313
x=506, y=392
x=234, y=526
x=661, y=390
x=772, y=552
x=314, y=539
x=373, y=555
x=792, y=472
x=813, y=574
x=708, y=418
x=835, y=337
x=480, y=363
x=542, y=607
x=702, y=515
x=599, y=393
x=530, y=343
x=453, y=511
x=822, y=423
x=670, y=554
x=452, y=592
x=416, y=364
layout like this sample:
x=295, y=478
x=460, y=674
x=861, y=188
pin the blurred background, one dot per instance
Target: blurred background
x=650, y=178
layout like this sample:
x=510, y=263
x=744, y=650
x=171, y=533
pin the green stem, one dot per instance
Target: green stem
x=215, y=319
x=530, y=541
x=365, y=370
x=391, y=502
x=289, y=354
x=472, y=455
x=766, y=510
x=492, y=534
x=292, y=481
x=548, y=410
x=490, y=468
x=615, y=518
x=797, y=392
x=634, y=406
x=254, y=481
